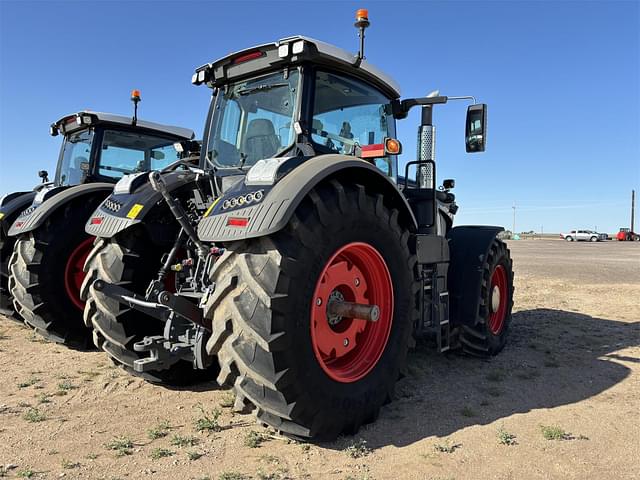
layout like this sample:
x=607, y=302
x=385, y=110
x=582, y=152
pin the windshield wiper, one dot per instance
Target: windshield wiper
x=262, y=88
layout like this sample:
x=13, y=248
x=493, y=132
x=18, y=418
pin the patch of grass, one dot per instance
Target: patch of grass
x=506, y=438
x=66, y=385
x=158, y=453
x=227, y=400
x=261, y=475
x=232, y=476
x=28, y=473
x=121, y=445
x=358, y=449
x=69, y=465
x=159, y=431
x=253, y=439
x=468, y=412
x=554, y=432
x=495, y=376
x=44, y=398
x=270, y=459
x=194, y=455
x=34, y=415
x=91, y=456
x=208, y=421
x=446, y=447
x=28, y=383
x=186, y=441
x=35, y=338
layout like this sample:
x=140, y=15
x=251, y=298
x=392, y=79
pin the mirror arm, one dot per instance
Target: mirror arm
x=400, y=108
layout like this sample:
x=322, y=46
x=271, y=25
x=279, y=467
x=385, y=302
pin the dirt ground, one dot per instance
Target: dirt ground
x=570, y=373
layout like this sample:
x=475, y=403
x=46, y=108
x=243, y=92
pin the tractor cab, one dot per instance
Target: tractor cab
x=297, y=96
x=104, y=147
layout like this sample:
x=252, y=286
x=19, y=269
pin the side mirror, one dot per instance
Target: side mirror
x=157, y=155
x=448, y=184
x=44, y=175
x=475, y=134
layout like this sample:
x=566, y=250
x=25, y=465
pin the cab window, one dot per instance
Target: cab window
x=348, y=113
x=130, y=152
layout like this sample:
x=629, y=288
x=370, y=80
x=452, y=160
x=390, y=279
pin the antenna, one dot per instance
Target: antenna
x=362, y=22
x=135, y=98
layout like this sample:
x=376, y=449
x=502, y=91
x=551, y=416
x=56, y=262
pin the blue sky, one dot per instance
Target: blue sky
x=561, y=80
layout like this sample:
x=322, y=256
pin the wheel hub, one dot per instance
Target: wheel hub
x=351, y=312
x=495, y=298
x=74, y=273
x=498, y=300
x=332, y=318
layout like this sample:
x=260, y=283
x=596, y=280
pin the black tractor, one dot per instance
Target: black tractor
x=48, y=239
x=315, y=266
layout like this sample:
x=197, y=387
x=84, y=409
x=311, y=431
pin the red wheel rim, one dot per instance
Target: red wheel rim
x=349, y=349
x=73, y=273
x=498, y=296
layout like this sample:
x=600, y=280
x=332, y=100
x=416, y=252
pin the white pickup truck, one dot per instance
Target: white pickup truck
x=584, y=235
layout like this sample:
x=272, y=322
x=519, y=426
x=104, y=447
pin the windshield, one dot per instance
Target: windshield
x=253, y=120
x=131, y=152
x=74, y=164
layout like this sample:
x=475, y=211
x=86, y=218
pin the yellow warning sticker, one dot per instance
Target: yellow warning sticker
x=206, y=214
x=135, y=210
x=1, y=216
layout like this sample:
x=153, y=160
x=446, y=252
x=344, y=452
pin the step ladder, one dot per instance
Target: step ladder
x=436, y=303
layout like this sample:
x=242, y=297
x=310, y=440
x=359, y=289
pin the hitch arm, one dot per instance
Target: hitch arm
x=133, y=300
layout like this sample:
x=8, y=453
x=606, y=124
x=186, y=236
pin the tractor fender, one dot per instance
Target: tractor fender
x=279, y=202
x=120, y=211
x=37, y=213
x=11, y=205
x=468, y=246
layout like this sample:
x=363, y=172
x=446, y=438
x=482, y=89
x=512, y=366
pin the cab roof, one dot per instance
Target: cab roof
x=110, y=118
x=292, y=51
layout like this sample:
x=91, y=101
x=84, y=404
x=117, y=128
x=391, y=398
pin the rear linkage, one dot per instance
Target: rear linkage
x=185, y=333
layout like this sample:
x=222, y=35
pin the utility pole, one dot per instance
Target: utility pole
x=633, y=208
x=514, y=218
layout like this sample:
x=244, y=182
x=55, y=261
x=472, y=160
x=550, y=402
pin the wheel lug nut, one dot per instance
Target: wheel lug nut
x=318, y=301
x=345, y=342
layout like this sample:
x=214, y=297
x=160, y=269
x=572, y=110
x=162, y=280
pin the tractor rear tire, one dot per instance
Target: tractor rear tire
x=487, y=336
x=273, y=336
x=131, y=261
x=46, y=273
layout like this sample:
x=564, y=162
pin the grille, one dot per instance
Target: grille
x=111, y=205
x=28, y=211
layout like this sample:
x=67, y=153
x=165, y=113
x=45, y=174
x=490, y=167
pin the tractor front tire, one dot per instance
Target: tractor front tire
x=46, y=274
x=130, y=261
x=306, y=373
x=487, y=335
